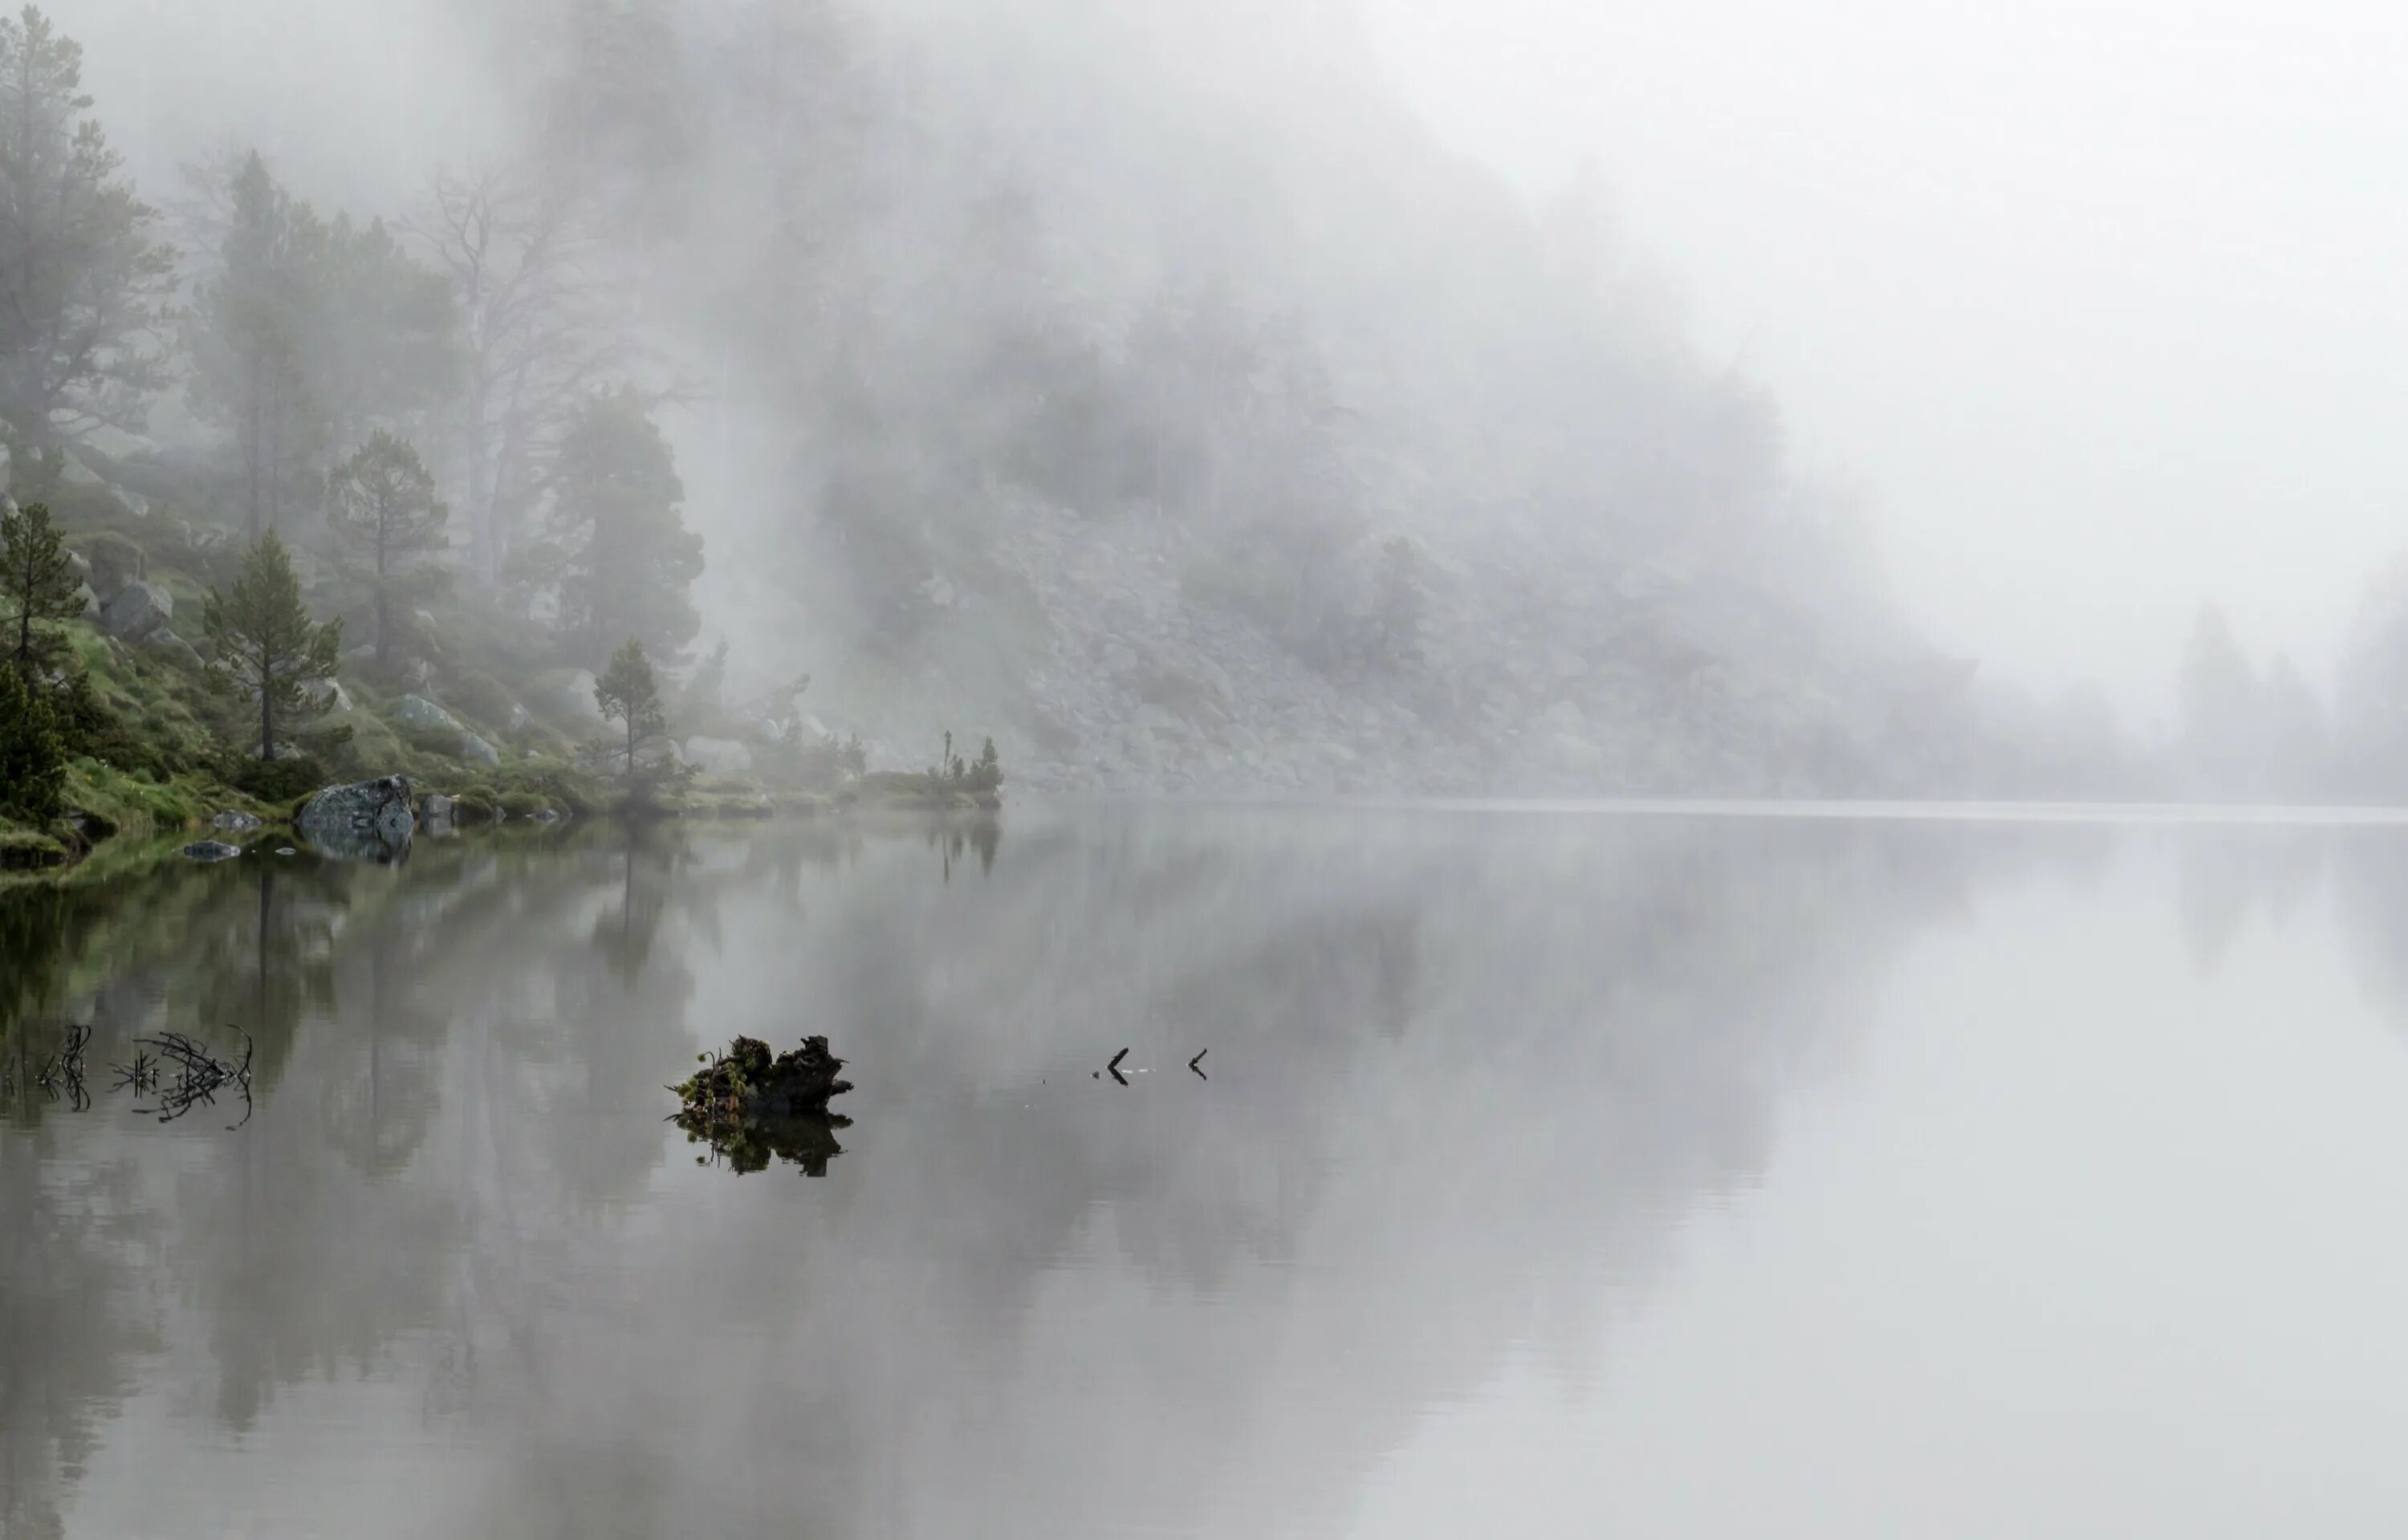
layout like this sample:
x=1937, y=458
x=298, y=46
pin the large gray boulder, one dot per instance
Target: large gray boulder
x=420, y=712
x=369, y=820
x=138, y=610
x=172, y=647
x=327, y=695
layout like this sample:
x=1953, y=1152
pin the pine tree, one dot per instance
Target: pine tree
x=265, y=638
x=249, y=335
x=629, y=561
x=38, y=587
x=81, y=281
x=987, y=774
x=629, y=693
x=32, y=761
x=382, y=503
x=383, y=344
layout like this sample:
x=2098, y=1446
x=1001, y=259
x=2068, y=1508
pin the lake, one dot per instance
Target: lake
x=1575, y=1171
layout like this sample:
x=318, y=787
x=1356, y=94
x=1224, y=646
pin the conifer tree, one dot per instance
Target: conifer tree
x=32, y=761
x=37, y=588
x=629, y=693
x=265, y=640
x=629, y=561
x=249, y=335
x=382, y=503
x=83, y=284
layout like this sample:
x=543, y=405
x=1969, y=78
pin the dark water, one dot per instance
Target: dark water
x=1558, y=1173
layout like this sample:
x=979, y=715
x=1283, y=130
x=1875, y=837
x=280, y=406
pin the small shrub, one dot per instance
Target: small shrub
x=521, y=804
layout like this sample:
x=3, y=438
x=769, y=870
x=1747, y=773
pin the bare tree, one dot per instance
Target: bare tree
x=531, y=282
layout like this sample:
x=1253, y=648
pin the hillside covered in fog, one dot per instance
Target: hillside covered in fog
x=1141, y=379
x=1136, y=381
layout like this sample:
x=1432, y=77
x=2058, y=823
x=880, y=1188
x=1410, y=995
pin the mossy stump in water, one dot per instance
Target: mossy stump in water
x=751, y=1106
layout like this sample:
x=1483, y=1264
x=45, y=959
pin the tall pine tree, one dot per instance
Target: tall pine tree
x=39, y=588
x=266, y=642
x=629, y=562
x=82, y=283
x=382, y=504
x=250, y=336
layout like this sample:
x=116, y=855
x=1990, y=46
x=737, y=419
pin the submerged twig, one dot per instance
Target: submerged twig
x=63, y=1072
x=200, y=1074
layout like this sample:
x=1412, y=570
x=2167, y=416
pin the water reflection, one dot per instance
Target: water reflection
x=1469, y=1073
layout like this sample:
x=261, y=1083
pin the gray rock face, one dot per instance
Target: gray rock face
x=418, y=711
x=719, y=756
x=166, y=641
x=210, y=850
x=370, y=820
x=138, y=610
x=239, y=822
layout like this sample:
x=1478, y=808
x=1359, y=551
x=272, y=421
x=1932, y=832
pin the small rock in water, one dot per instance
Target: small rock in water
x=211, y=850
x=239, y=822
x=288, y=850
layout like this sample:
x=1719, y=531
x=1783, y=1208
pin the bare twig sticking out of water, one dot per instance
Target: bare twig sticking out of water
x=63, y=1070
x=141, y=1076
x=1196, y=1064
x=200, y=1074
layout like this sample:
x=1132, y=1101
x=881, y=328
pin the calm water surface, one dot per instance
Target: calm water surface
x=1558, y=1173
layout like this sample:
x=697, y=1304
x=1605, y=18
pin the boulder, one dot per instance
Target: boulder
x=566, y=695
x=238, y=822
x=719, y=756
x=117, y=444
x=521, y=720
x=210, y=850
x=369, y=820
x=173, y=646
x=417, y=711
x=327, y=695
x=435, y=814
x=138, y=610
x=111, y=563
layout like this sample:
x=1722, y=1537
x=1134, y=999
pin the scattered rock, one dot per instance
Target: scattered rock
x=210, y=851
x=238, y=822
x=138, y=610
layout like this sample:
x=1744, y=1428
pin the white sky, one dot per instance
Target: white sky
x=2104, y=299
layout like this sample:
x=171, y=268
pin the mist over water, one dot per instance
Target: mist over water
x=1557, y=1167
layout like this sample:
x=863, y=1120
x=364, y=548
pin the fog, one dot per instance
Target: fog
x=2099, y=299
x=1405, y=395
